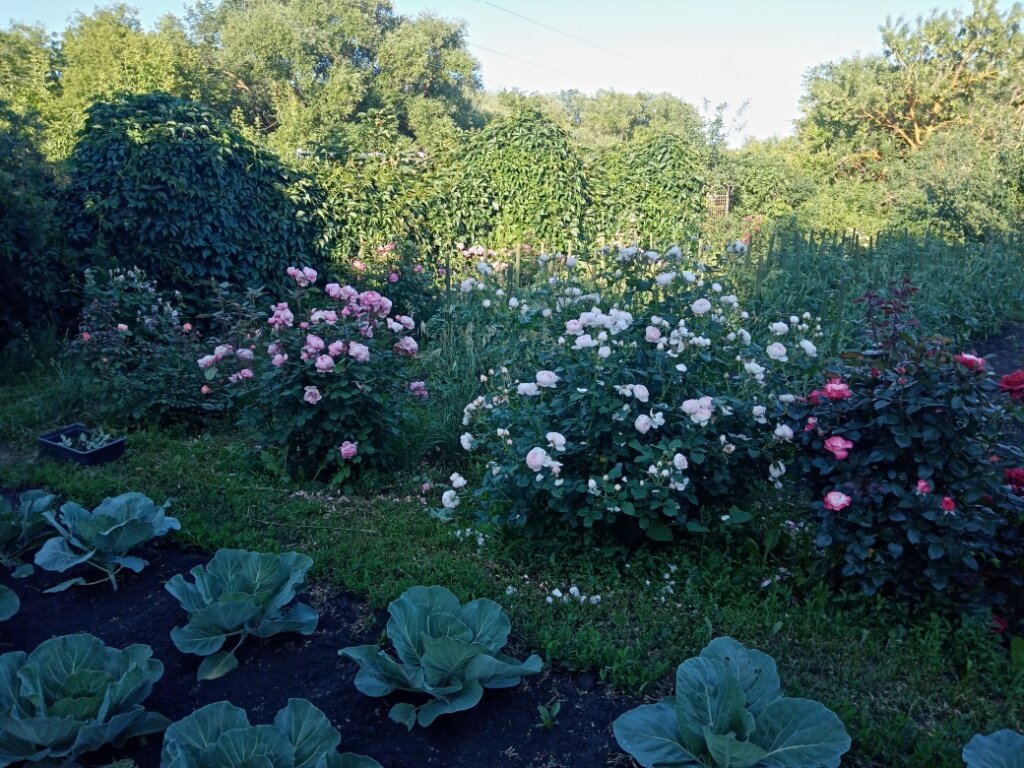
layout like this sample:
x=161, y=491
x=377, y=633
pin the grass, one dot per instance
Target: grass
x=912, y=689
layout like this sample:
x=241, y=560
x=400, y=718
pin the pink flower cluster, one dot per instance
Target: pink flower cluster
x=834, y=390
x=282, y=317
x=303, y=277
x=971, y=362
x=419, y=389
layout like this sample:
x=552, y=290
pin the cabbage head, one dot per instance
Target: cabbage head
x=74, y=695
x=103, y=537
x=237, y=594
x=219, y=736
x=449, y=651
x=729, y=712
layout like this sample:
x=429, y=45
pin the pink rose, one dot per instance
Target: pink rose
x=309, y=274
x=923, y=487
x=537, y=459
x=122, y=327
x=948, y=505
x=812, y=423
x=206, y=361
x=336, y=348
x=652, y=334
x=837, y=389
x=406, y=346
x=838, y=446
x=359, y=352
x=393, y=277
x=406, y=322
x=971, y=362
x=312, y=395
x=244, y=354
x=86, y=337
x=205, y=389
x=279, y=360
x=325, y=363
x=837, y=500
x=314, y=343
x=348, y=450
x=187, y=327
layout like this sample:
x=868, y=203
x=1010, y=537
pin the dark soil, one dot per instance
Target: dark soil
x=501, y=732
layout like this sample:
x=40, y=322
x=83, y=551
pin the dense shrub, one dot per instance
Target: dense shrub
x=653, y=184
x=140, y=344
x=520, y=180
x=635, y=416
x=32, y=269
x=168, y=186
x=900, y=454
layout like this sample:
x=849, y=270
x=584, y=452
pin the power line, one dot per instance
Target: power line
x=516, y=58
x=576, y=37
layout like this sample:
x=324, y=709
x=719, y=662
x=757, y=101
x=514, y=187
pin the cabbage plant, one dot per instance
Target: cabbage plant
x=728, y=710
x=1002, y=749
x=74, y=695
x=103, y=537
x=446, y=650
x=9, y=603
x=22, y=528
x=237, y=594
x=219, y=736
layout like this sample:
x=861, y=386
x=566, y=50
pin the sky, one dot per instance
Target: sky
x=732, y=51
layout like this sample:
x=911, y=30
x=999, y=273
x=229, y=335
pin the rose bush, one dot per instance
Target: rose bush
x=140, y=343
x=322, y=380
x=641, y=397
x=900, y=452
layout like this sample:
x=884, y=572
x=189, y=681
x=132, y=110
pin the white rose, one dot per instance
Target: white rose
x=546, y=378
x=784, y=432
x=700, y=306
x=458, y=481
x=779, y=329
x=529, y=389
x=643, y=424
x=777, y=351
x=450, y=499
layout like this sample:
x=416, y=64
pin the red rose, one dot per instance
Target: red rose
x=972, y=362
x=1013, y=385
x=1015, y=479
x=948, y=505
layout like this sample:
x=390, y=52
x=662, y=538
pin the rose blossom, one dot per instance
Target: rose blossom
x=537, y=459
x=972, y=362
x=652, y=334
x=777, y=351
x=643, y=424
x=1012, y=384
x=923, y=487
x=279, y=360
x=359, y=352
x=336, y=348
x=641, y=393
x=205, y=389
x=406, y=346
x=312, y=395
x=784, y=432
x=837, y=389
x=546, y=379
x=948, y=505
x=466, y=440
x=187, y=327
x=457, y=480
x=450, y=499
x=528, y=389
x=348, y=450
x=206, y=361
x=244, y=354
x=324, y=363
x=837, y=500
x=556, y=440
x=838, y=446
x=701, y=306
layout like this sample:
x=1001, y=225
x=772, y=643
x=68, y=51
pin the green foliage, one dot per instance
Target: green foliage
x=32, y=269
x=9, y=603
x=219, y=736
x=446, y=650
x=22, y=528
x=103, y=537
x=73, y=695
x=170, y=187
x=1002, y=749
x=137, y=343
x=519, y=180
x=898, y=455
x=238, y=594
x=729, y=711
x=652, y=184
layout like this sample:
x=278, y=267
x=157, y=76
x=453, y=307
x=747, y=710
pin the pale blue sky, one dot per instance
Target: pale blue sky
x=726, y=50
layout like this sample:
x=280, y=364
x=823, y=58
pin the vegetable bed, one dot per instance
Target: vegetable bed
x=503, y=731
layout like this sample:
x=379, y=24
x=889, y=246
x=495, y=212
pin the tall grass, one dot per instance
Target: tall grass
x=965, y=290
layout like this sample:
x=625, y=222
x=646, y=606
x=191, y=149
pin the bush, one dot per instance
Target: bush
x=638, y=416
x=653, y=184
x=899, y=452
x=327, y=395
x=32, y=267
x=168, y=186
x=140, y=347
x=520, y=180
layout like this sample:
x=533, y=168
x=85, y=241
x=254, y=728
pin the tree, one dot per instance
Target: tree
x=937, y=73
